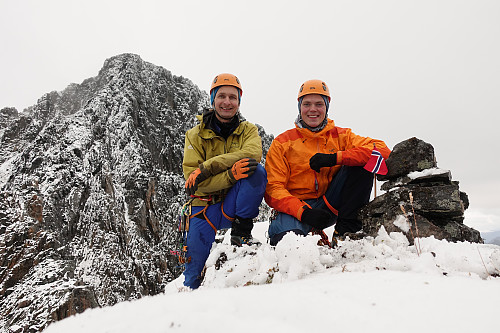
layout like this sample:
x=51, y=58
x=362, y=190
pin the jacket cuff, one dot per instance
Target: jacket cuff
x=299, y=213
x=301, y=210
x=205, y=172
x=231, y=177
x=339, y=157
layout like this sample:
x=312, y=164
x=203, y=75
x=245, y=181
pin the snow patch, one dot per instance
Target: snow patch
x=6, y=170
x=402, y=223
x=299, y=279
x=427, y=172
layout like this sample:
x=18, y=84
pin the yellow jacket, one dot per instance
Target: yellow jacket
x=204, y=149
x=290, y=178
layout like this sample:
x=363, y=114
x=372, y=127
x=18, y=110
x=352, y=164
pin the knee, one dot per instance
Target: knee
x=260, y=173
x=276, y=238
x=259, y=178
x=359, y=172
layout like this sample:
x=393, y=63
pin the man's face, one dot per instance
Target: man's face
x=226, y=103
x=313, y=110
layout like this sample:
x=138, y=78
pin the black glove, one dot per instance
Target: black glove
x=320, y=160
x=317, y=218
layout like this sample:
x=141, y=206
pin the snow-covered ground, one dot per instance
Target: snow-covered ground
x=375, y=285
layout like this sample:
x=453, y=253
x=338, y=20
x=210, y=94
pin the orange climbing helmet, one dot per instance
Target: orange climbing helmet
x=226, y=80
x=314, y=87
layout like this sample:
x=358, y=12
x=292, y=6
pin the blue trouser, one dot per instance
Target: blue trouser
x=242, y=200
x=348, y=191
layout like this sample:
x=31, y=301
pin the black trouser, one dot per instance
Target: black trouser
x=349, y=191
x=355, y=193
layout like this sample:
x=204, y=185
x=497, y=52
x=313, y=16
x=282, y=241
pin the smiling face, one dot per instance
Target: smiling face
x=313, y=110
x=226, y=103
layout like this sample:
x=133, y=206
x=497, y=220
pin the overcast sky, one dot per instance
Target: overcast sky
x=396, y=69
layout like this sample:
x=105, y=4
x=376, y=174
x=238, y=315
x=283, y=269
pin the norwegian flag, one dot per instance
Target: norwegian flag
x=376, y=163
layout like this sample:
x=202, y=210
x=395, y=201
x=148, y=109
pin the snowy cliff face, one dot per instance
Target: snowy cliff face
x=90, y=187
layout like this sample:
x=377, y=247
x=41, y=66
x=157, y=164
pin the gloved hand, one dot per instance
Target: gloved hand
x=316, y=218
x=243, y=168
x=320, y=160
x=192, y=182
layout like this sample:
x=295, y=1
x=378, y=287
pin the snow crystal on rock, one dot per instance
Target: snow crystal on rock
x=402, y=223
x=427, y=172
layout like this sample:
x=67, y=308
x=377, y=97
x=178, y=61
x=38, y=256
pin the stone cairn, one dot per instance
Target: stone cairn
x=420, y=199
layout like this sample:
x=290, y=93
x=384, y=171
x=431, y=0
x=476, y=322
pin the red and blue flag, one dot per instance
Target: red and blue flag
x=376, y=163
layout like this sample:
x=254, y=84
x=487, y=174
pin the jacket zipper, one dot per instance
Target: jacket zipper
x=316, y=184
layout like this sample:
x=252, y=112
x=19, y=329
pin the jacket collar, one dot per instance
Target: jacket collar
x=310, y=134
x=206, y=132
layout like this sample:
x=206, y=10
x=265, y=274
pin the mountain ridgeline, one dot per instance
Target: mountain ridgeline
x=90, y=188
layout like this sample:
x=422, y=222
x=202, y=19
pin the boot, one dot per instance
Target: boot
x=241, y=232
x=336, y=237
x=244, y=240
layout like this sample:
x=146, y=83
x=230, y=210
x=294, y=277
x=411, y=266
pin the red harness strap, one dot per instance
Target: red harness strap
x=204, y=212
x=225, y=215
x=330, y=207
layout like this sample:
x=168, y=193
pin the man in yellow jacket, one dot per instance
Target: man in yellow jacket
x=222, y=175
x=315, y=170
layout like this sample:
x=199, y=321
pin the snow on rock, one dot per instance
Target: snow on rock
x=425, y=194
x=375, y=284
x=293, y=258
x=427, y=172
x=297, y=257
x=91, y=179
x=402, y=223
x=89, y=188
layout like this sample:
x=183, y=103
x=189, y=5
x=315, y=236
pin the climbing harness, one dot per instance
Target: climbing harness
x=210, y=200
x=183, y=229
x=184, y=218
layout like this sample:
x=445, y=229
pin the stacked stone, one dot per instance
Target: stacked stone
x=420, y=198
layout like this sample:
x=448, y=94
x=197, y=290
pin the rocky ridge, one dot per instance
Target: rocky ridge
x=90, y=189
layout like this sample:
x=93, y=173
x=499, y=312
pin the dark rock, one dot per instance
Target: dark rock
x=419, y=195
x=441, y=178
x=76, y=301
x=407, y=156
x=8, y=113
x=465, y=199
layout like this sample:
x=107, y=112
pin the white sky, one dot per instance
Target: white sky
x=396, y=69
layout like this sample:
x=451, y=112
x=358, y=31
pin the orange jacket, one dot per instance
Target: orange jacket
x=291, y=180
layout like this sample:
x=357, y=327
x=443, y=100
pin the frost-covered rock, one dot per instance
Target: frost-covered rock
x=419, y=195
x=90, y=188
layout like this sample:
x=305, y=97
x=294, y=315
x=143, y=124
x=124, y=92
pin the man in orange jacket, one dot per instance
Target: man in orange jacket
x=315, y=170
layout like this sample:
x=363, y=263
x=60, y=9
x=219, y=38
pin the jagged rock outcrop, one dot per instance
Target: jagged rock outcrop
x=90, y=188
x=418, y=194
